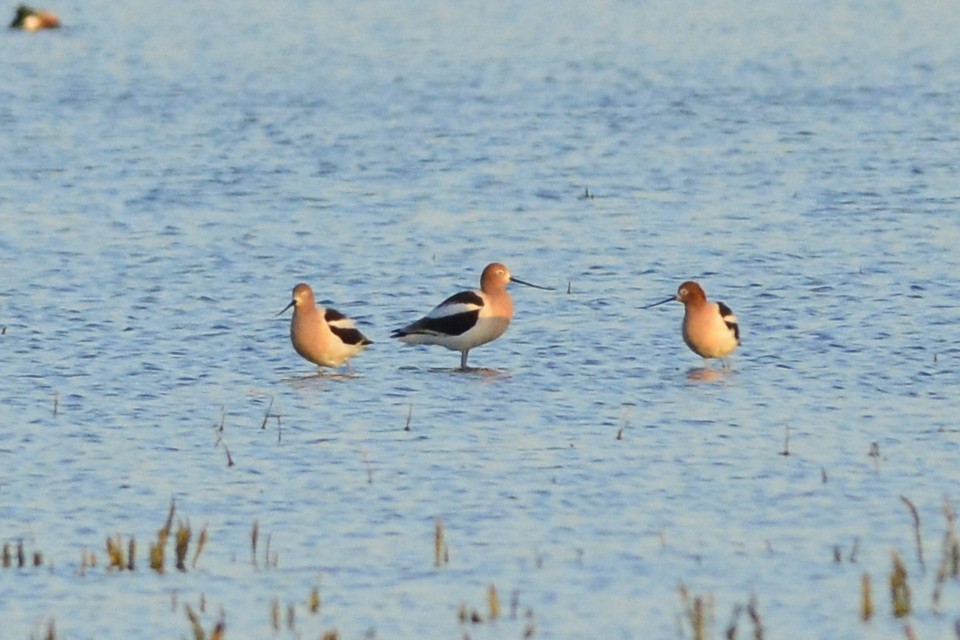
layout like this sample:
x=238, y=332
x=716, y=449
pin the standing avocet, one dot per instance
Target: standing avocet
x=470, y=318
x=709, y=328
x=325, y=337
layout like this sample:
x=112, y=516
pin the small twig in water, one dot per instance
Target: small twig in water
x=266, y=416
x=254, y=537
x=366, y=463
x=875, y=454
x=624, y=421
x=270, y=414
x=786, y=441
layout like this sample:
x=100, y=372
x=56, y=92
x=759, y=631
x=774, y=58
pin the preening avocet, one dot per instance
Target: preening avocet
x=30, y=19
x=710, y=329
x=325, y=337
x=470, y=318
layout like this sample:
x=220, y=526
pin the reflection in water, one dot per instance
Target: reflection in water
x=706, y=374
x=319, y=377
x=482, y=372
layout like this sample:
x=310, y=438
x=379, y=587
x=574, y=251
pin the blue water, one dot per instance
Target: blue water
x=170, y=172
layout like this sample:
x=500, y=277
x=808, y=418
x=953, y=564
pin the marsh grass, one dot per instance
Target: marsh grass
x=866, y=598
x=899, y=588
x=697, y=617
x=696, y=620
x=268, y=560
x=119, y=558
x=280, y=618
x=901, y=593
x=201, y=543
x=12, y=557
x=697, y=613
x=122, y=557
x=851, y=557
x=949, y=565
x=493, y=603
x=471, y=615
x=313, y=603
x=441, y=554
x=88, y=560
x=275, y=615
x=218, y=632
x=184, y=533
x=49, y=634
x=916, y=530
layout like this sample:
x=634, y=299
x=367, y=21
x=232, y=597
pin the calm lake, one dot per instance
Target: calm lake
x=171, y=170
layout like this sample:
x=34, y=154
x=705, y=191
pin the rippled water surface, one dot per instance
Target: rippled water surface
x=170, y=172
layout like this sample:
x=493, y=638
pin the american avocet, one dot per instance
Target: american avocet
x=325, y=337
x=709, y=328
x=30, y=19
x=470, y=318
